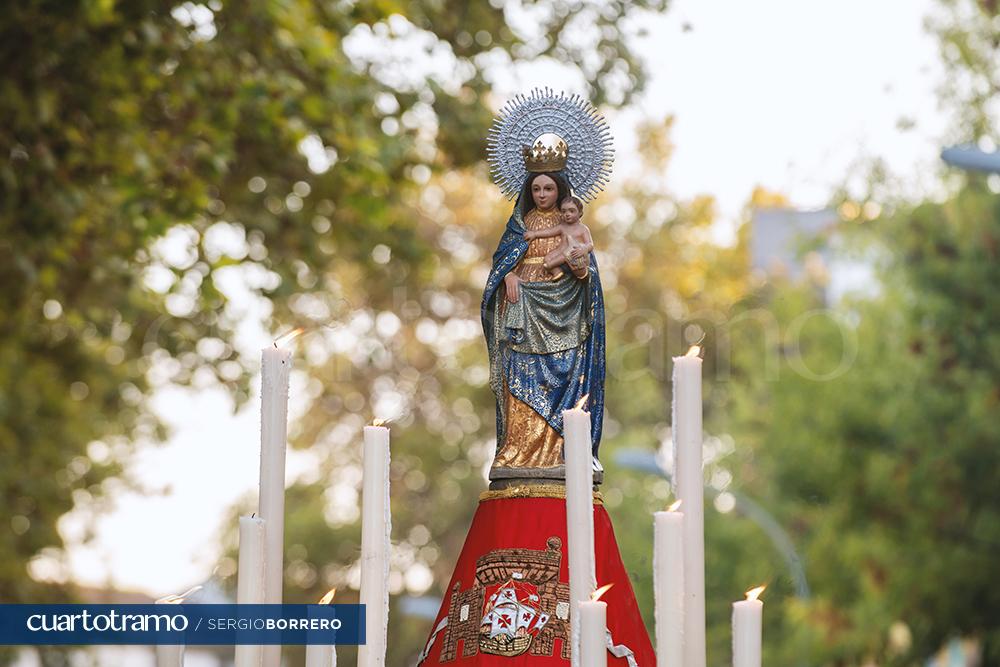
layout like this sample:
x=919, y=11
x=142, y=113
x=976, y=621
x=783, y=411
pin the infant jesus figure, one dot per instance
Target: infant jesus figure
x=576, y=240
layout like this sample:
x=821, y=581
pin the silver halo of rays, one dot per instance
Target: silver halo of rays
x=526, y=117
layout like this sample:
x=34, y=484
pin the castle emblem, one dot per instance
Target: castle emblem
x=524, y=607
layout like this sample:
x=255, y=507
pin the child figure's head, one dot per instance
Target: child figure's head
x=571, y=210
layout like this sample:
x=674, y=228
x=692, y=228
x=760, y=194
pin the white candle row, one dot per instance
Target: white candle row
x=668, y=585
x=679, y=556
x=250, y=590
x=679, y=536
x=261, y=551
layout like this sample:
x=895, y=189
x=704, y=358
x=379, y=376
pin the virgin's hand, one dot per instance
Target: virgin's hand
x=513, y=284
x=576, y=253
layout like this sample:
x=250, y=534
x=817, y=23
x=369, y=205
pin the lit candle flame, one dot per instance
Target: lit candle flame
x=596, y=595
x=582, y=402
x=378, y=421
x=177, y=599
x=754, y=593
x=674, y=506
x=694, y=351
x=288, y=337
x=328, y=598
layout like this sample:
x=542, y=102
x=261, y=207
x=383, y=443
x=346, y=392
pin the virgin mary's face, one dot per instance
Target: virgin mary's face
x=544, y=192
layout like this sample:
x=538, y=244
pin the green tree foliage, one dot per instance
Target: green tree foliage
x=872, y=442
x=866, y=429
x=968, y=32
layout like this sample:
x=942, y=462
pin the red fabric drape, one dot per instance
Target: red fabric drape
x=524, y=540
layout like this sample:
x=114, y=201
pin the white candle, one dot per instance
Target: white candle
x=748, y=616
x=250, y=572
x=276, y=365
x=689, y=487
x=375, y=529
x=593, y=633
x=250, y=581
x=172, y=655
x=169, y=656
x=577, y=451
x=668, y=584
x=322, y=655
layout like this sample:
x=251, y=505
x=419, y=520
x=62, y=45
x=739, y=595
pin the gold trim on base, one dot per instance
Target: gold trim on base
x=533, y=491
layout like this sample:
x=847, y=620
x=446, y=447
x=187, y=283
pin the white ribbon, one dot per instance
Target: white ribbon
x=430, y=642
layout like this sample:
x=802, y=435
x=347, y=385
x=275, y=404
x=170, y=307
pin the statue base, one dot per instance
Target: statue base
x=501, y=475
x=508, y=600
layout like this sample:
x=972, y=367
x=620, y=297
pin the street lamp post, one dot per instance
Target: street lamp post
x=972, y=158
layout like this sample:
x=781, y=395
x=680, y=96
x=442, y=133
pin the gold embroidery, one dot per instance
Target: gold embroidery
x=533, y=491
x=537, y=568
x=530, y=441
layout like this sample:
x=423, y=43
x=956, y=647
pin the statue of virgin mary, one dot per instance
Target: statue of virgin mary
x=508, y=599
x=544, y=332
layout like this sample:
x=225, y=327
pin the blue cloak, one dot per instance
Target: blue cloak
x=547, y=380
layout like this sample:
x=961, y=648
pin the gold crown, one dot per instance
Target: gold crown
x=548, y=154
